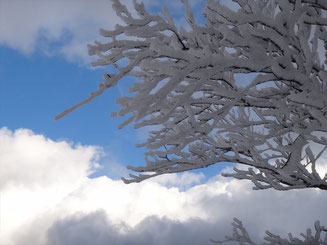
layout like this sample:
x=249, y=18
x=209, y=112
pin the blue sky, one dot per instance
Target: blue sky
x=40, y=82
x=50, y=179
x=35, y=88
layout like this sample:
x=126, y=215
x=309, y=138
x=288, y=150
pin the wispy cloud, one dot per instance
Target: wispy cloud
x=64, y=27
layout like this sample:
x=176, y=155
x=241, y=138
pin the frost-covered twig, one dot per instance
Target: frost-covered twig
x=240, y=235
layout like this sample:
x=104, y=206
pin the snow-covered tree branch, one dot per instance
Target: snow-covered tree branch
x=195, y=88
x=241, y=236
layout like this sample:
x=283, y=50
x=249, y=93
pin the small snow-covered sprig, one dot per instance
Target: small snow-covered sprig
x=241, y=236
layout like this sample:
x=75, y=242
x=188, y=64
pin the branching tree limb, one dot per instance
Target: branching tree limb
x=204, y=113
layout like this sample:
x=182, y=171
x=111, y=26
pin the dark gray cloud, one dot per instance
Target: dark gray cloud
x=95, y=229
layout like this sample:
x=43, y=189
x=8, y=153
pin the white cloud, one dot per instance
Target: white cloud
x=36, y=173
x=183, y=181
x=24, y=23
x=62, y=26
x=30, y=160
x=50, y=200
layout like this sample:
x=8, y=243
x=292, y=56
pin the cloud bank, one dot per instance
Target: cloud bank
x=48, y=198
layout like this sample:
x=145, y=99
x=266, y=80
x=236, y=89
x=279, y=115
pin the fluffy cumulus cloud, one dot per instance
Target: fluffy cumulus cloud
x=48, y=198
x=36, y=173
x=31, y=160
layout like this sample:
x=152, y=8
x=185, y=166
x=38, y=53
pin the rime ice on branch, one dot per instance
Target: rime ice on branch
x=241, y=236
x=193, y=86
